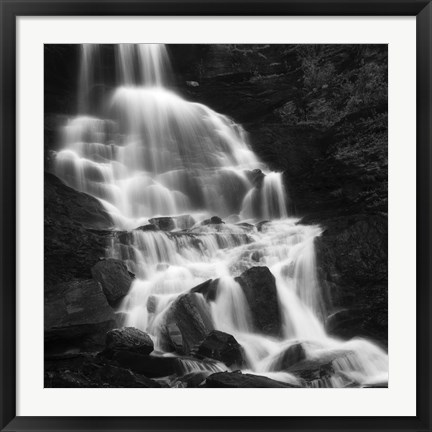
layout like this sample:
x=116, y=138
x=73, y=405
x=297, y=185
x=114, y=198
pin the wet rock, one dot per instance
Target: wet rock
x=313, y=372
x=174, y=337
x=184, y=221
x=223, y=347
x=129, y=339
x=76, y=232
x=240, y=380
x=152, y=302
x=292, y=355
x=352, y=259
x=193, y=379
x=187, y=322
x=208, y=289
x=148, y=365
x=78, y=206
x=256, y=256
x=148, y=227
x=256, y=177
x=260, y=225
x=259, y=287
x=87, y=371
x=114, y=278
x=78, y=313
x=214, y=220
x=246, y=226
x=163, y=223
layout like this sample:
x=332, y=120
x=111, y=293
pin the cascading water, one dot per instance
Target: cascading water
x=153, y=154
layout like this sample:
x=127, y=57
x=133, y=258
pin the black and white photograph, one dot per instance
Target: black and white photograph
x=216, y=216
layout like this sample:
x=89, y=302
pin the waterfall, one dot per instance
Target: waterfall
x=150, y=153
x=87, y=78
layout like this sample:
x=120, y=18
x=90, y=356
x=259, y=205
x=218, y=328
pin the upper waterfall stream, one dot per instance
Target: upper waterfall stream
x=150, y=153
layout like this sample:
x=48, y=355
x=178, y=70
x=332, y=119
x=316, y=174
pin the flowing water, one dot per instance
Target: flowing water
x=150, y=153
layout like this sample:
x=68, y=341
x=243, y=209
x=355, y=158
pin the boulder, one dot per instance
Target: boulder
x=184, y=221
x=148, y=227
x=352, y=260
x=114, y=278
x=169, y=223
x=77, y=312
x=246, y=226
x=292, y=355
x=223, y=347
x=260, y=225
x=256, y=177
x=129, y=339
x=87, y=371
x=259, y=287
x=208, y=289
x=187, y=322
x=319, y=370
x=152, y=303
x=192, y=379
x=148, y=365
x=240, y=380
x=77, y=206
x=214, y=220
x=163, y=223
x=76, y=232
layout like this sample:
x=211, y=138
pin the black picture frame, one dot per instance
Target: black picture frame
x=11, y=9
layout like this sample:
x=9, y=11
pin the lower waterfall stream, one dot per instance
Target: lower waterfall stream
x=163, y=168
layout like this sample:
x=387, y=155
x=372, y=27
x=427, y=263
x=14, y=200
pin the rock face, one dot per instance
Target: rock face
x=129, y=339
x=256, y=177
x=77, y=313
x=75, y=232
x=223, y=347
x=239, y=380
x=148, y=227
x=187, y=322
x=114, y=278
x=173, y=222
x=163, y=223
x=87, y=371
x=208, y=289
x=149, y=366
x=259, y=287
x=214, y=220
x=318, y=371
x=352, y=261
x=292, y=355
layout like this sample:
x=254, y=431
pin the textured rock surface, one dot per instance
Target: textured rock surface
x=208, y=289
x=259, y=287
x=114, y=278
x=223, y=347
x=352, y=260
x=239, y=380
x=163, y=223
x=292, y=355
x=77, y=313
x=318, y=371
x=86, y=371
x=129, y=339
x=188, y=322
x=150, y=366
x=75, y=232
x=214, y=220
